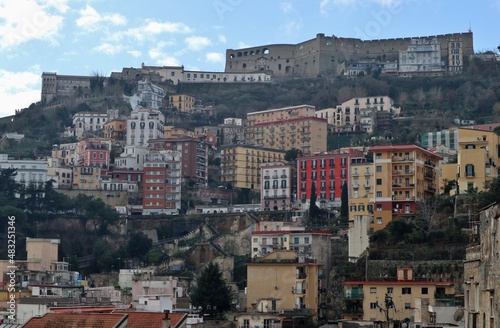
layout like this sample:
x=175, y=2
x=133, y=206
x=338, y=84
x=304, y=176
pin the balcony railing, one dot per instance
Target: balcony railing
x=353, y=294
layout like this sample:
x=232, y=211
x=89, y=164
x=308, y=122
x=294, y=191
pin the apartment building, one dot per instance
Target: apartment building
x=361, y=221
x=93, y=152
x=240, y=164
x=422, y=57
x=115, y=129
x=144, y=124
x=275, y=115
x=233, y=131
x=87, y=177
x=88, y=122
x=308, y=134
x=477, y=160
x=183, y=102
x=282, y=282
x=194, y=159
x=327, y=171
x=482, y=272
x=403, y=175
x=405, y=297
x=455, y=55
x=29, y=172
x=276, y=186
x=150, y=95
x=162, y=183
x=360, y=114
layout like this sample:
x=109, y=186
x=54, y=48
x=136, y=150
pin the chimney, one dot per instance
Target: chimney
x=166, y=319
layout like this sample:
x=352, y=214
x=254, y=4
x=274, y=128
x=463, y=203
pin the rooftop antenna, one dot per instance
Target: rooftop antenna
x=470, y=28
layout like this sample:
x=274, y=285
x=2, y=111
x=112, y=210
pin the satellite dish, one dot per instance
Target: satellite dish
x=404, y=325
x=458, y=315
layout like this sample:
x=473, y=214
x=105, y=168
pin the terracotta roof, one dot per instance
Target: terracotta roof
x=77, y=320
x=138, y=319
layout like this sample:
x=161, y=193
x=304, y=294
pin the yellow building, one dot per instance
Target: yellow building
x=86, y=177
x=281, y=281
x=361, y=222
x=308, y=134
x=403, y=175
x=477, y=159
x=183, y=102
x=402, y=298
x=115, y=129
x=240, y=164
x=280, y=114
x=171, y=131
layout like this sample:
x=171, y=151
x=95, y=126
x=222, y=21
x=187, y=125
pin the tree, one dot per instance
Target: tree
x=292, y=154
x=138, y=245
x=344, y=199
x=8, y=185
x=211, y=293
x=313, y=208
x=97, y=83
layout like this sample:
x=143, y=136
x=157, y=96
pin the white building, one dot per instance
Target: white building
x=28, y=171
x=144, y=124
x=150, y=95
x=421, y=56
x=132, y=158
x=91, y=122
x=358, y=114
x=276, y=186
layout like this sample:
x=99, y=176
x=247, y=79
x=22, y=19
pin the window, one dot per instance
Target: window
x=378, y=156
x=407, y=306
x=379, y=207
x=246, y=323
x=379, y=182
x=406, y=290
x=306, y=240
x=425, y=291
x=390, y=290
x=469, y=170
x=373, y=305
x=373, y=290
x=379, y=168
x=268, y=323
x=379, y=194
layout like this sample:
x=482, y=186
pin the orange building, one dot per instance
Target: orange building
x=115, y=129
x=403, y=175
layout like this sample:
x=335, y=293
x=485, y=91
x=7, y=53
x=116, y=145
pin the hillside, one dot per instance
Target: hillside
x=428, y=104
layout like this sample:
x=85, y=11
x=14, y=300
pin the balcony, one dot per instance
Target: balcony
x=396, y=172
x=430, y=176
x=298, y=290
x=301, y=275
x=353, y=294
x=402, y=159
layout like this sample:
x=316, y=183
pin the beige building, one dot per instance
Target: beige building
x=308, y=134
x=183, y=102
x=455, y=55
x=397, y=299
x=275, y=115
x=358, y=114
x=86, y=178
x=280, y=281
x=361, y=221
x=240, y=164
x=482, y=272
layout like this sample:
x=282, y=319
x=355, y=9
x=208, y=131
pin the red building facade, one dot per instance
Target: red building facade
x=328, y=171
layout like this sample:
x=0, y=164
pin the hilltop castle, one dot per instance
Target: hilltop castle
x=323, y=53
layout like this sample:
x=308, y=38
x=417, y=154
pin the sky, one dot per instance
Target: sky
x=83, y=37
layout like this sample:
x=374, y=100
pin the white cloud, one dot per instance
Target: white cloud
x=222, y=39
x=91, y=20
x=153, y=28
x=135, y=53
x=197, y=43
x=25, y=20
x=242, y=45
x=292, y=26
x=108, y=49
x=326, y=5
x=18, y=90
x=161, y=57
x=286, y=7
x=215, y=57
